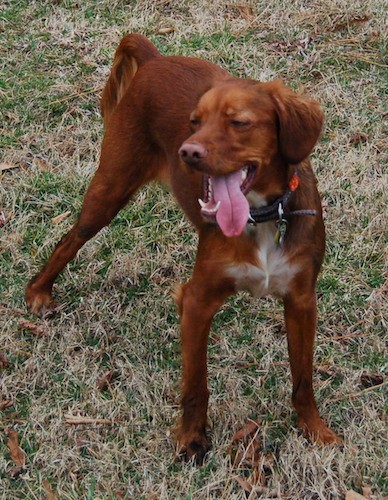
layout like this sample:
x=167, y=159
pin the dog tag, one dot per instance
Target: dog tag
x=281, y=225
x=281, y=231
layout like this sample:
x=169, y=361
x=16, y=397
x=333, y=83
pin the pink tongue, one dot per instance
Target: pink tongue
x=233, y=213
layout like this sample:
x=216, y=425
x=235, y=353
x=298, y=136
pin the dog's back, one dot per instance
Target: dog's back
x=175, y=72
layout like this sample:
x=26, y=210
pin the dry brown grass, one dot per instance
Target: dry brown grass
x=117, y=316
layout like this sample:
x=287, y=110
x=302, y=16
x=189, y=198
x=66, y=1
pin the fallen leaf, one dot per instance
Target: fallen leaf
x=49, y=492
x=327, y=371
x=43, y=165
x=15, y=471
x=165, y=30
x=5, y=403
x=352, y=495
x=259, y=490
x=17, y=454
x=80, y=420
x=105, y=381
x=59, y=218
x=258, y=475
x=4, y=363
x=7, y=166
x=243, y=10
x=242, y=365
x=246, y=12
x=243, y=483
x=248, y=430
x=340, y=24
x=371, y=379
x=251, y=454
x=359, y=138
x=325, y=206
x=37, y=330
x=260, y=463
x=2, y=219
x=268, y=493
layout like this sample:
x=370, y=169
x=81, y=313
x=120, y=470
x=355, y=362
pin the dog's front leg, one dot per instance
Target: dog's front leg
x=300, y=317
x=197, y=303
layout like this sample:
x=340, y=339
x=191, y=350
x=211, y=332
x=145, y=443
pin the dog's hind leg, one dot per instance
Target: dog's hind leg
x=121, y=173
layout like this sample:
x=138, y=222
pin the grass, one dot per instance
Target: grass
x=117, y=315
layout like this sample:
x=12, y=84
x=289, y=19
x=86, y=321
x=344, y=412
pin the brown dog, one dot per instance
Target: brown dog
x=235, y=153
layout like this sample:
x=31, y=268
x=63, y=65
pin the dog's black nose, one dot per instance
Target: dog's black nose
x=192, y=153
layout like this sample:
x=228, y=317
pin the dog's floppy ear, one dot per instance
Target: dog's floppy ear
x=300, y=121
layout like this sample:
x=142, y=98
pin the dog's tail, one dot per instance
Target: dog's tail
x=134, y=50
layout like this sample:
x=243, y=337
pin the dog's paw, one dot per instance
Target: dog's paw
x=39, y=301
x=319, y=433
x=325, y=436
x=193, y=447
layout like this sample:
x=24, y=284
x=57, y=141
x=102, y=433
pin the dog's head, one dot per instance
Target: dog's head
x=241, y=128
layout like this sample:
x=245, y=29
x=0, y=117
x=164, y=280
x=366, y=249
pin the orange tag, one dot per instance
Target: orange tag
x=294, y=182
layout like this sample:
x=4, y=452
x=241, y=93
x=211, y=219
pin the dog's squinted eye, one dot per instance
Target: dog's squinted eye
x=240, y=124
x=194, y=121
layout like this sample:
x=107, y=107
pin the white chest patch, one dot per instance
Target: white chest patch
x=273, y=272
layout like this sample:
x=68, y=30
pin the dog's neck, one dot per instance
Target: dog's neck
x=278, y=209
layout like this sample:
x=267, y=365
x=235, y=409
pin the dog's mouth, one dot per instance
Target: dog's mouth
x=225, y=201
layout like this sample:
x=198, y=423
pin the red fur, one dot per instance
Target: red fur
x=147, y=104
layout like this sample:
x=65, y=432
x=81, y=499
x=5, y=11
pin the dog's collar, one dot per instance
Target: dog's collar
x=278, y=210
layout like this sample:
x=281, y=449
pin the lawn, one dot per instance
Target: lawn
x=89, y=397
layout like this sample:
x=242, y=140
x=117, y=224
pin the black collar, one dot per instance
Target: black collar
x=278, y=210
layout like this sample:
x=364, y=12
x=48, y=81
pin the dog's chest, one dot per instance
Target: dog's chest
x=272, y=272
